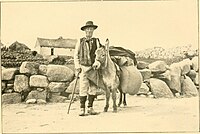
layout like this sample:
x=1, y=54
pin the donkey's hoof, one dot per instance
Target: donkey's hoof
x=125, y=104
x=114, y=110
x=119, y=105
x=105, y=109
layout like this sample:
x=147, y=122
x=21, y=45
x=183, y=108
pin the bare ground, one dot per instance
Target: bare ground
x=141, y=115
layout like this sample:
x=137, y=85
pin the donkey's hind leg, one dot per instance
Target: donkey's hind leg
x=124, y=101
x=120, y=99
x=114, y=100
x=107, y=100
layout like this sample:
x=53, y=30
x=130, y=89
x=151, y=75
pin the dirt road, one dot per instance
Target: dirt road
x=141, y=115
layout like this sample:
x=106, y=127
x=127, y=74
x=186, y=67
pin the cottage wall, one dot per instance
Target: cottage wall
x=57, y=51
x=63, y=47
x=45, y=51
x=64, y=51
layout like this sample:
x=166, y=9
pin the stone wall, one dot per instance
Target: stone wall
x=162, y=80
x=35, y=83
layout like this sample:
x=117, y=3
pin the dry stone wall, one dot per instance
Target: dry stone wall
x=35, y=83
x=177, y=79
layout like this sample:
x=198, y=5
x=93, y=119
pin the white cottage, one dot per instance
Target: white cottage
x=60, y=46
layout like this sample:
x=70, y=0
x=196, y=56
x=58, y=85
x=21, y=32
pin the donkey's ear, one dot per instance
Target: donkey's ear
x=107, y=44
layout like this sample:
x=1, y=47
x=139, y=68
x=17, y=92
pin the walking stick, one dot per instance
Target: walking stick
x=73, y=92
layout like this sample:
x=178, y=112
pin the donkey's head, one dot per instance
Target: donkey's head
x=101, y=56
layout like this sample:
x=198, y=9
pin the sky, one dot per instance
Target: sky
x=135, y=25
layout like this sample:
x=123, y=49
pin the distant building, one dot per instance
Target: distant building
x=60, y=46
x=17, y=46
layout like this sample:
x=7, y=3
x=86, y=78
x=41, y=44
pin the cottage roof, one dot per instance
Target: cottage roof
x=56, y=43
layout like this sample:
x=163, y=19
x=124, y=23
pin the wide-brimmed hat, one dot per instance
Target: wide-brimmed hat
x=89, y=24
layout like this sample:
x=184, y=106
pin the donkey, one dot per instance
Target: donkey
x=108, y=71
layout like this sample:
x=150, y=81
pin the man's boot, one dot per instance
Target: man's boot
x=82, y=101
x=90, y=105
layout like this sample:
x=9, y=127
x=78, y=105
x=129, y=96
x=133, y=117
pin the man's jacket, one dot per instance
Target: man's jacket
x=85, y=52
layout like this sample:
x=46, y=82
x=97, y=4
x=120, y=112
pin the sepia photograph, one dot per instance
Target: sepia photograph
x=99, y=66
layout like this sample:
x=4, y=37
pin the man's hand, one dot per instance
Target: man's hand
x=78, y=70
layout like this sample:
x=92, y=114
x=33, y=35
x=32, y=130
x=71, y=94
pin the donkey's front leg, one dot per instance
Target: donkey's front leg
x=107, y=100
x=114, y=100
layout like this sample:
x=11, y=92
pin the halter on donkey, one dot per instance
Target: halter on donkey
x=108, y=70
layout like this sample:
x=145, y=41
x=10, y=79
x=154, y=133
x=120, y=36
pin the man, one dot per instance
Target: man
x=84, y=58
